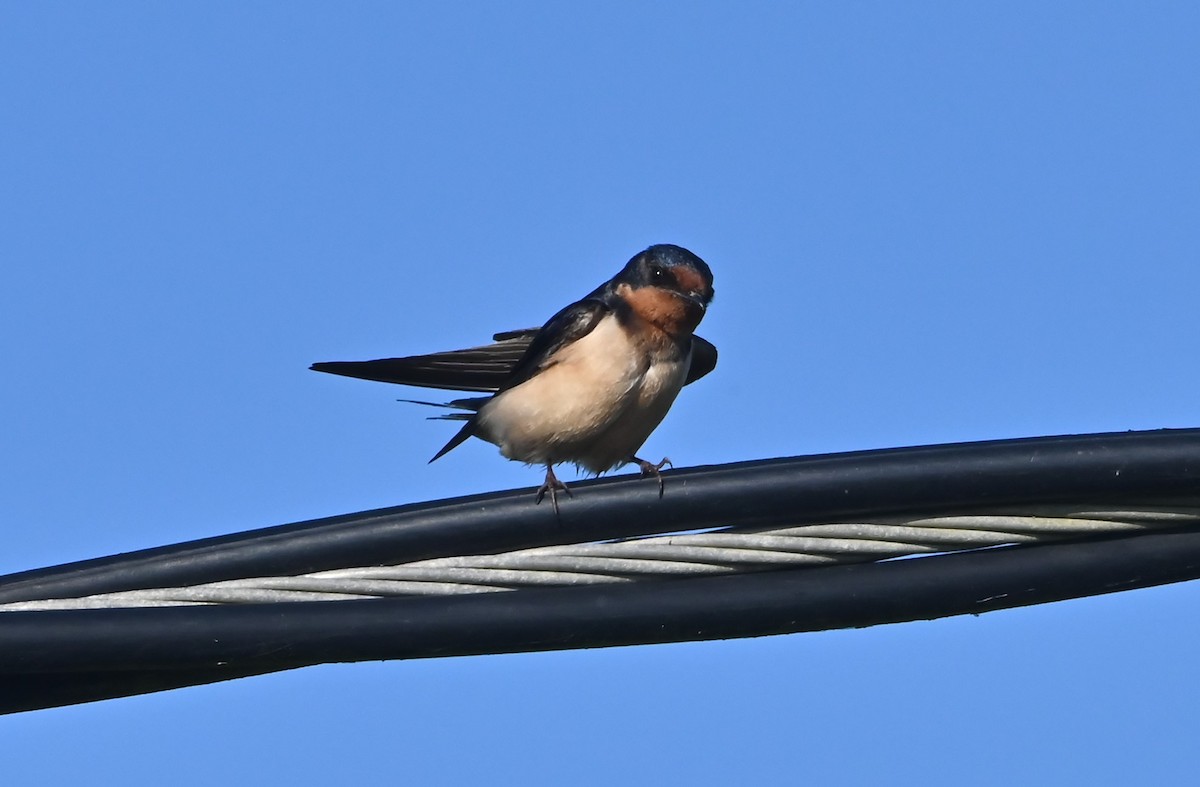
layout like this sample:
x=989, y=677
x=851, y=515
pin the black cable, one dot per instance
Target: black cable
x=61, y=657
x=1093, y=468
x=52, y=658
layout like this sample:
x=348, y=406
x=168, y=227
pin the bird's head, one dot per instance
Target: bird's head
x=668, y=286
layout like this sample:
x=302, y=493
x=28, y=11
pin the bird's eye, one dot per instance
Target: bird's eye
x=659, y=275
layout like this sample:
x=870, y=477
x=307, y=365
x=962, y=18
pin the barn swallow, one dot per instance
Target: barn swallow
x=590, y=385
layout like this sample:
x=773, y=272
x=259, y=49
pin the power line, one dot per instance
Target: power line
x=797, y=544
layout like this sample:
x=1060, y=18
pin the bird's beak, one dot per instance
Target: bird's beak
x=700, y=297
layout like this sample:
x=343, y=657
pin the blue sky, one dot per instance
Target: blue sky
x=928, y=222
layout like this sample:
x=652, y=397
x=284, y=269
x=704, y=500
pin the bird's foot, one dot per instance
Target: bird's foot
x=552, y=485
x=651, y=470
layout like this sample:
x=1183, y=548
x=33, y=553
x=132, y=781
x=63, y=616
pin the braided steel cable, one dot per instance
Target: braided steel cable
x=649, y=558
x=748, y=549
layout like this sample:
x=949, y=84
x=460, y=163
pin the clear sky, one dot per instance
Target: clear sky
x=928, y=222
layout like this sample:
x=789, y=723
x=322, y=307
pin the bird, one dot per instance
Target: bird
x=590, y=385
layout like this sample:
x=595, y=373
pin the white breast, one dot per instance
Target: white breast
x=594, y=406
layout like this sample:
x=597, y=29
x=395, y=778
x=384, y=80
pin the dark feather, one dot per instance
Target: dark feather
x=568, y=326
x=467, y=430
x=484, y=369
x=524, y=333
x=472, y=404
x=704, y=359
x=474, y=369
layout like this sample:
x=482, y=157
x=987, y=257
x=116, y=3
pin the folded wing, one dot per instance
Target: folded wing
x=484, y=369
x=474, y=369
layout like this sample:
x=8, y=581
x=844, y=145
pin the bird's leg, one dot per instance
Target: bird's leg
x=552, y=485
x=652, y=470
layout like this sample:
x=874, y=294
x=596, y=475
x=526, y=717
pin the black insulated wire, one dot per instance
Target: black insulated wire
x=61, y=657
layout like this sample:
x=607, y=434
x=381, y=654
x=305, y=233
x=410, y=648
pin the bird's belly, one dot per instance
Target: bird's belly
x=618, y=443
x=594, y=406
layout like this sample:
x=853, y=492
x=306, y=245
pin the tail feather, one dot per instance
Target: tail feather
x=473, y=404
x=456, y=441
x=426, y=404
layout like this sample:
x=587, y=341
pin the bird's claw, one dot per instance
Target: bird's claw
x=651, y=470
x=551, y=485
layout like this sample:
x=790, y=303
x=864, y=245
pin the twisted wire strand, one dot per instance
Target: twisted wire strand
x=658, y=557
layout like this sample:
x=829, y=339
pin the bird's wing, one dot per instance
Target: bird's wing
x=490, y=367
x=525, y=334
x=574, y=323
x=473, y=369
x=704, y=359
x=568, y=326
